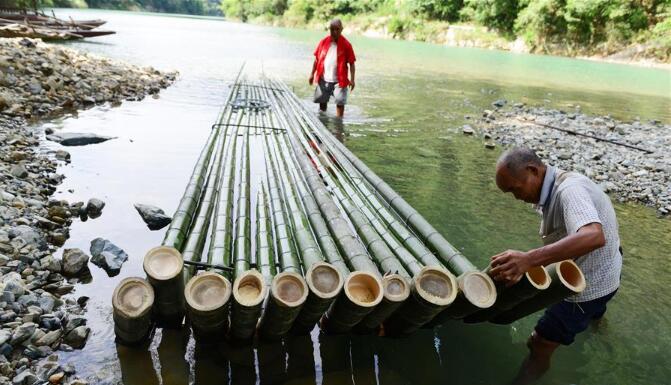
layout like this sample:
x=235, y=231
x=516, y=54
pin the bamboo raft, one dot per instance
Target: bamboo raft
x=294, y=232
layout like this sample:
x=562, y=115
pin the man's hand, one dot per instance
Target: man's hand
x=311, y=80
x=509, y=267
x=351, y=85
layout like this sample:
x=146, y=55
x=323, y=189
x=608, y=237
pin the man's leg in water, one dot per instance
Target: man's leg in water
x=538, y=360
x=340, y=111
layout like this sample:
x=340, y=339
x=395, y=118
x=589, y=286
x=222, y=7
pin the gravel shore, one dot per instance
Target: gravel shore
x=638, y=172
x=38, y=314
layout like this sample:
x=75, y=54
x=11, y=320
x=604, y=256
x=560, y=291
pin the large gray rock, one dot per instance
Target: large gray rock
x=22, y=333
x=107, y=256
x=13, y=283
x=74, y=261
x=25, y=378
x=5, y=336
x=77, y=138
x=77, y=337
x=49, y=338
x=153, y=216
x=29, y=235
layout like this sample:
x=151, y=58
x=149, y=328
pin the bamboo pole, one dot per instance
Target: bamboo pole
x=265, y=253
x=477, y=290
x=207, y=301
x=323, y=279
x=362, y=289
x=249, y=289
x=177, y=231
x=440, y=284
x=132, y=301
x=533, y=282
x=163, y=266
x=289, y=290
x=566, y=279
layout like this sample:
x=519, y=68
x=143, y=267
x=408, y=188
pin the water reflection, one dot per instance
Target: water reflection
x=136, y=363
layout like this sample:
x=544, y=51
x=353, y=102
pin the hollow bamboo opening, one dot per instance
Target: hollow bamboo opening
x=364, y=289
x=289, y=289
x=248, y=288
x=133, y=297
x=207, y=292
x=478, y=288
x=324, y=280
x=436, y=286
x=538, y=276
x=396, y=288
x=570, y=275
x=163, y=263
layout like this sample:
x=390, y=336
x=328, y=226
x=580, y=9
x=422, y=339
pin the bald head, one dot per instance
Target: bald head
x=520, y=171
x=335, y=28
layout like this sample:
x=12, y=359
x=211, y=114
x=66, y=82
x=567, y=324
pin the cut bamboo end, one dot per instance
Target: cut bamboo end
x=289, y=289
x=363, y=289
x=538, y=277
x=207, y=292
x=396, y=288
x=571, y=276
x=163, y=263
x=132, y=302
x=324, y=280
x=133, y=298
x=436, y=286
x=249, y=289
x=478, y=288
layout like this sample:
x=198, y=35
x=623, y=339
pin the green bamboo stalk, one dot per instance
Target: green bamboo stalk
x=249, y=288
x=265, y=254
x=284, y=302
x=324, y=281
x=396, y=292
x=362, y=289
x=221, y=231
x=566, y=279
x=196, y=239
x=176, y=234
x=242, y=243
x=480, y=290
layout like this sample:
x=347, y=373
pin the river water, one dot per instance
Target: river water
x=403, y=121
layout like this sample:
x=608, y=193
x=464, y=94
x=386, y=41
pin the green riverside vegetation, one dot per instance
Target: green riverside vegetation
x=631, y=29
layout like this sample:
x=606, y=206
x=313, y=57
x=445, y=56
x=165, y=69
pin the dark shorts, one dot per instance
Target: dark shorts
x=325, y=90
x=564, y=320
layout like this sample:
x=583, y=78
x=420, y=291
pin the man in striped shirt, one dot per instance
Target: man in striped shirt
x=579, y=223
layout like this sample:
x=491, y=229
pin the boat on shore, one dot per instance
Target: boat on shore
x=37, y=24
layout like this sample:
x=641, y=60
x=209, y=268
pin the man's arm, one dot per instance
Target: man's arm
x=510, y=265
x=312, y=73
x=352, y=73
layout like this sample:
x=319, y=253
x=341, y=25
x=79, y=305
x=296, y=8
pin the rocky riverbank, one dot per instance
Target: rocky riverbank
x=39, y=316
x=629, y=160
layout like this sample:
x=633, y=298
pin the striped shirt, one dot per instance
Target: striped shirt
x=568, y=202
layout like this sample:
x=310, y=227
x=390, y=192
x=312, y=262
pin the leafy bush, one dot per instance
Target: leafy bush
x=438, y=9
x=496, y=14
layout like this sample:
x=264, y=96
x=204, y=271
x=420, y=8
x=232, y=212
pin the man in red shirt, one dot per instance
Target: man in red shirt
x=332, y=57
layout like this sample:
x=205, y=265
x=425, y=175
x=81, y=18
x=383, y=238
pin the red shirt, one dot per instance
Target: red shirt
x=345, y=56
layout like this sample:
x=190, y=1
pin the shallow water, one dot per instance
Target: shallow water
x=403, y=121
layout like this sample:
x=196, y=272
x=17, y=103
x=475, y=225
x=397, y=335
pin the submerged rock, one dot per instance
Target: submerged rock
x=94, y=207
x=77, y=139
x=107, y=256
x=153, y=216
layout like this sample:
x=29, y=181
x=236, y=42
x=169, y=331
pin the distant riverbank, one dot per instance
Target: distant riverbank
x=472, y=35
